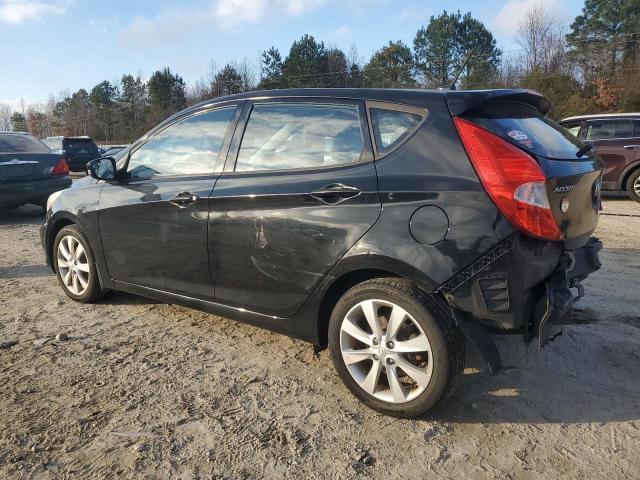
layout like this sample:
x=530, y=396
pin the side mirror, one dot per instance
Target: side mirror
x=102, y=168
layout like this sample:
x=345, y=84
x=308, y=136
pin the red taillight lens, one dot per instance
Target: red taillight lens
x=513, y=180
x=61, y=168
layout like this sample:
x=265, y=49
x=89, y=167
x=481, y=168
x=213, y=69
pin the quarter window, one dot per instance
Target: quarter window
x=573, y=128
x=391, y=127
x=609, y=129
x=189, y=147
x=304, y=135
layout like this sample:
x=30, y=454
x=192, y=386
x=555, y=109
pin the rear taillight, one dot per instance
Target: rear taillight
x=60, y=168
x=513, y=180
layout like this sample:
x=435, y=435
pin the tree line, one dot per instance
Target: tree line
x=591, y=68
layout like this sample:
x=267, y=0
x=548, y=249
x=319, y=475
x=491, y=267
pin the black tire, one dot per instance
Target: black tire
x=445, y=338
x=632, y=182
x=93, y=290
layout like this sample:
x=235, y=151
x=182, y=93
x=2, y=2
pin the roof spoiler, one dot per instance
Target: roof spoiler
x=462, y=101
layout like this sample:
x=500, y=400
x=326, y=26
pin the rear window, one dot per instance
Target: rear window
x=531, y=131
x=77, y=144
x=21, y=144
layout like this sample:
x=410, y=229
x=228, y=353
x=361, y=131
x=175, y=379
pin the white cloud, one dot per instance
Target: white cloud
x=342, y=34
x=508, y=19
x=18, y=11
x=172, y=24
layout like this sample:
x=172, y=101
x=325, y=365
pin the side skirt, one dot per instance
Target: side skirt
x=286, y=326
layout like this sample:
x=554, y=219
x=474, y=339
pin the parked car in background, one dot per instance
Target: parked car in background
x=616, y=138
x=110, y=150
x=29, y=172
x=77, y=151
x=384, y=223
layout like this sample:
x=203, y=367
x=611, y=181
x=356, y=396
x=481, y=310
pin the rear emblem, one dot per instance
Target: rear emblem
x=565, y=189
x=564, y=205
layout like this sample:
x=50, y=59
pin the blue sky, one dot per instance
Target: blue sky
x=47, y=46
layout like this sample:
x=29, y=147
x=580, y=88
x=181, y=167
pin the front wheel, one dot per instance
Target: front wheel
x=633, y=186
x=393, y=347
x=75, y=266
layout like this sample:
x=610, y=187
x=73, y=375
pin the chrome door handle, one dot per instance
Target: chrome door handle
x=183, y=199
x=630, y=146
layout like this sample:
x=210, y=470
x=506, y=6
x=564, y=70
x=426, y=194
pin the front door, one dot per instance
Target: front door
x=153, y=221
x=298, y=191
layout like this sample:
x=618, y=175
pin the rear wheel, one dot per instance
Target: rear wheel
x=633, y=185
x=75, y=266
x=394, y=348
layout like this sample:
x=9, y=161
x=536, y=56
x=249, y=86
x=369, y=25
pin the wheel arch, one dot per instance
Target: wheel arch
x=357, y=269
x=626, y=173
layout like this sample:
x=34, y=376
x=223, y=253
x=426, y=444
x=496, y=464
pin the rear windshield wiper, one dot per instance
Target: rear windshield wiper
x=584, y=149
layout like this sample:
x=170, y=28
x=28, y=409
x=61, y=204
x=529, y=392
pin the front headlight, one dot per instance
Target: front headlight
x=52, y=198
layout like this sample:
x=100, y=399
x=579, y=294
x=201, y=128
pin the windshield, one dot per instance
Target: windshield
x=21, y=144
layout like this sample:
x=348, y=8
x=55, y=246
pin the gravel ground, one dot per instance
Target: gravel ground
x=143, y=389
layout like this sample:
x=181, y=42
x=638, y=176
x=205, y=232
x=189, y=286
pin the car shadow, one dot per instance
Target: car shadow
x=584, y=376
x=27, y=214
x=25, y=271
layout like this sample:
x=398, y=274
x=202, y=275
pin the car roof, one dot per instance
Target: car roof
x=459, y=100
x=602, y=115
x=16, y=133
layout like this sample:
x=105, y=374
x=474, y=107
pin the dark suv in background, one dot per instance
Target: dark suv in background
x=616, y=138
x=384, y=223
x=77, y=151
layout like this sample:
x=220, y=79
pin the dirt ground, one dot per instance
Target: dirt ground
x=142, y=389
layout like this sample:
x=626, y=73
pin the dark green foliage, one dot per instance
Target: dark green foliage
x=390, y=67
x=447, y=41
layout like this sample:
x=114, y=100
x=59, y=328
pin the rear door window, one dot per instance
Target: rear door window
x=609, y=129
x=392, y=124
x=21, y=144
x=300, y=135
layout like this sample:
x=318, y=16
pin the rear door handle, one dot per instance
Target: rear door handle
x=630, y=146
x=335, y=193
x=183, y=199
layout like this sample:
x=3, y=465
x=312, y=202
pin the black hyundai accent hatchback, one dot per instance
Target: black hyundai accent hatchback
x=385, y=224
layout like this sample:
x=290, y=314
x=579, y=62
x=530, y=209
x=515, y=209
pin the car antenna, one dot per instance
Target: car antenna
x=464, y=65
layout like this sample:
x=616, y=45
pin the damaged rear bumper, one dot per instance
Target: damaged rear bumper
x=555, y=307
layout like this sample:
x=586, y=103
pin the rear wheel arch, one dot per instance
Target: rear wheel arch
x=353, y=271
x=626, y=174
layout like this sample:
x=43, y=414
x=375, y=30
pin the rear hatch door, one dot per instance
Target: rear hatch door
x=80, y=149
x=574, y=173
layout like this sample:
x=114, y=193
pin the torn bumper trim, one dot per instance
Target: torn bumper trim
x=555, y=307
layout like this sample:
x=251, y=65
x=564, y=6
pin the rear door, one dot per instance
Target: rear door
x=299, y=189
x=617, y=142
x=23, y=157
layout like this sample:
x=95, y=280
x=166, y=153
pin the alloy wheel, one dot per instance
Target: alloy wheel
x=636, y=186
x=73, y=265
x=386, y=351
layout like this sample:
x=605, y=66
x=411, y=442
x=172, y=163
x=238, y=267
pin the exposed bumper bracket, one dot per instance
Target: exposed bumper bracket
x=555, y=307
